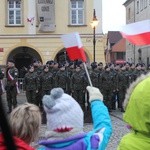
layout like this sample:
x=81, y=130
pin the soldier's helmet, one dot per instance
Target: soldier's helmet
x=11, y=60
x=127, y=64
x=142, y=64
x=35, y=61
x=62, y=65
x=79, y=63
x=106, y=67
x=94, y=65
x=50, y=62
x=100, y=64
x=30, y=67
x=138, y=64
x=45, y=67
x=71, y=63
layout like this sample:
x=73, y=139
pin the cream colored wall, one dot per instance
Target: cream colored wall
x=49, y=44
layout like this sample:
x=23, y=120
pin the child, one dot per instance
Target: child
x=65, y=122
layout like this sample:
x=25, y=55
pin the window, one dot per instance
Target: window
x=129, y=14
x=14, y=12
x=137, y=7
x=145, y=3
x=77, y=12
x=141, y=4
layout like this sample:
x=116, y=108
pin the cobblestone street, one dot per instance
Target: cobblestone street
x=119, y=127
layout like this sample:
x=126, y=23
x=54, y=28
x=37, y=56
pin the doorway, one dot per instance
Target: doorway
x=23, y=57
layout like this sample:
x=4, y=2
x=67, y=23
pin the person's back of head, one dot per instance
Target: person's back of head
x=25, y=121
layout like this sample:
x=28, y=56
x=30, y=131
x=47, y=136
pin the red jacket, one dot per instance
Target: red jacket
x=20, y=145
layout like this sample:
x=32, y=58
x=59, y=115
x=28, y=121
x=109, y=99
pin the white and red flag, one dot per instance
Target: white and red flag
x=137, y=33
x=74, y=47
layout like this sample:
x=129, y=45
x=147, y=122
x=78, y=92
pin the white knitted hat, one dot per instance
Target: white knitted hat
x=62, y=111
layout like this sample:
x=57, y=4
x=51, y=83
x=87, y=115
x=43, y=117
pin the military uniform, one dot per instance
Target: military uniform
x=46, y=82
x=94, y=73
x=31, y=86
x=61, y=80
x=38, y=70
x=108, y=87
x=78, y=86
x=12, y=87
x=137, y=73
x=122, y=87
x=70, y=71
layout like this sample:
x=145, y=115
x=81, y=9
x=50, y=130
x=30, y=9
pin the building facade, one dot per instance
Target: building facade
x=32, y=29
x=115, y=48
x=137, y=10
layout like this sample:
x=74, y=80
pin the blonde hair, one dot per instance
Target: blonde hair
x=25, y=121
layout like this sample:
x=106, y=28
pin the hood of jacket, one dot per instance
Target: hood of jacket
x=137, y=105
x=20, y=145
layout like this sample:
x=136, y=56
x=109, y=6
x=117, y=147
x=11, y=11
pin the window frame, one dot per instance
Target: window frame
x=129, y=13
x=137, y=7
x=77, y=9
x=14, y=9
x=141, y=4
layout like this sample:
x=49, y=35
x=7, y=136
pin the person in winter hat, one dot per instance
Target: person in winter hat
x=137, y=115
x=65, y=122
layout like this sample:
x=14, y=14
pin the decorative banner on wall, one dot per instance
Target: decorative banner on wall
x=46, y=15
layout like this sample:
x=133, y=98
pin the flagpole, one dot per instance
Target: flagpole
x=87, y=73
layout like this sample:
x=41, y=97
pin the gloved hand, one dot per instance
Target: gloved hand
x=94, y=93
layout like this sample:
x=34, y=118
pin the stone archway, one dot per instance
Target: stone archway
x=24, y=56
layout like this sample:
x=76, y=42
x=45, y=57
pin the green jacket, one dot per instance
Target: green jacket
x=137, y=115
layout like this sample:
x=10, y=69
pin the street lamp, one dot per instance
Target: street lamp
x=93, y=24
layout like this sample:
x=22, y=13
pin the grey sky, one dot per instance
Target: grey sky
x=113, y=14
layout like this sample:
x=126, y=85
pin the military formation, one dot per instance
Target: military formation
x=38, y=80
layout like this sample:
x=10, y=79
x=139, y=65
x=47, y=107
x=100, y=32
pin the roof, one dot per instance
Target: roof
x=127, y=2
x=120, y=46
x=113, y=37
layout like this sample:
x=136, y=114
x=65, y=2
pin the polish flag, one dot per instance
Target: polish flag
x=137, y=33
x=74, y=47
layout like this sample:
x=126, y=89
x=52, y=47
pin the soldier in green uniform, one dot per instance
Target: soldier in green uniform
x=148, y=68
x=70, y=69
x=115, y=98
x=101, y=70
x=143, y=68
x=50, y=64
x=61, y=78
x=12, y=85
x=138, y=72
x=38, y=68
x=31, y=85
x=55, y=68
x=46, y=81
x=108, y=87
x=94, y=75
x=122, y=87
x=78, y=84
